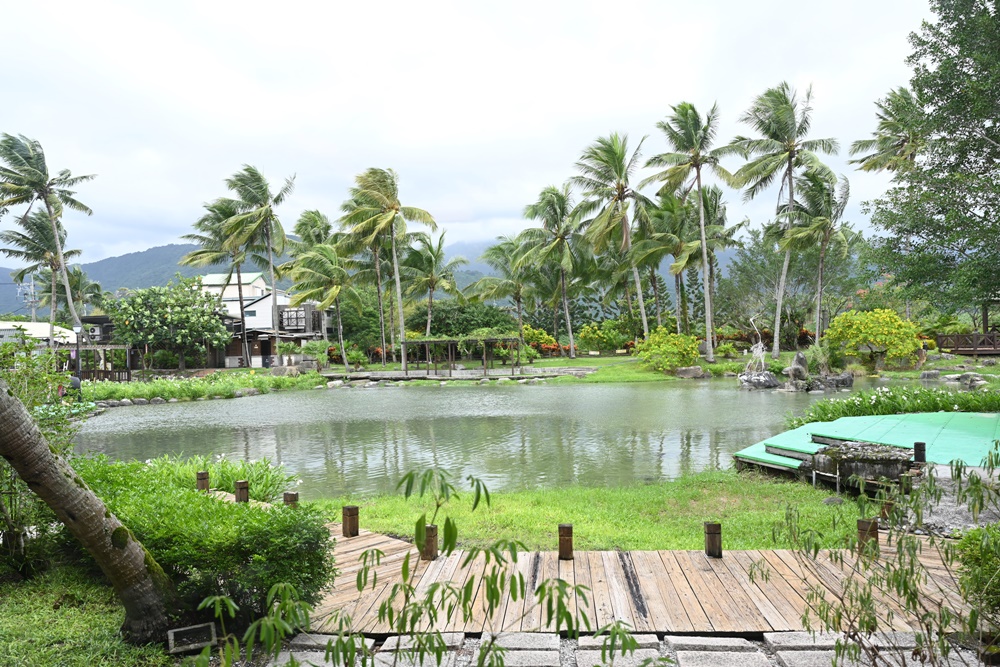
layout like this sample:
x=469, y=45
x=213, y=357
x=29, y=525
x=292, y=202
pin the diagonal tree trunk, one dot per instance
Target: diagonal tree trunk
x=819, y=285
x=776, y=344
x=399, y=298
x=569, y=323
x=62, y=267
x=709, y=327
x=52, y=312
x=635, y=274
x=138, y=581
x=243, y=319
x=340, y=339
x=381, y=308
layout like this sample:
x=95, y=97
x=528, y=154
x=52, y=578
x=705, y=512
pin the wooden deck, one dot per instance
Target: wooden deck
x=680, y=592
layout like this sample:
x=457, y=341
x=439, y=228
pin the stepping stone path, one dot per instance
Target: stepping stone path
x=536, y=649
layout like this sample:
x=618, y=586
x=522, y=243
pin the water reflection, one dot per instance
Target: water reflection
x=364, y=440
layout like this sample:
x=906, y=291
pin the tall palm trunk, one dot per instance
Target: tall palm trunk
x=819, y=284
x=656, y=296
x=378, y=296
x=62, y=267
x=340, y=338
x=711, y=277
x=520, y=320
x=52, y=313
x=685, y=315
x=430, y=309
x=555, y=327
x=678, y=289
x=569, y=323
x=776, y=345
x=137, y=580
x=274, y=285
x=709, y=328
x=399, y=297
x=635, y=274
x=392, y=326
x=243, y=319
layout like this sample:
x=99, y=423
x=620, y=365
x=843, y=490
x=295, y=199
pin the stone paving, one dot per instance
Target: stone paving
x=534, y=649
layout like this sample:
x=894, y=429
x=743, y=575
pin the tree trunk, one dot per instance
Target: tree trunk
x=62, y=267
x=137, y=579
x=711, y=277
x=340, y=338
x=378, y=295
x=685, y=316
x=520, y=320
x=656, y=296
x=678, y=288
x=399, y=297
x=243, y=319
x=776, y=345
x=819, y=285
x=52, y=314
x=555, y=328
x=430, y=308
x=392, y=327
x=635, y=274
x=274, y=284
x=569, y=323
x=709, y=327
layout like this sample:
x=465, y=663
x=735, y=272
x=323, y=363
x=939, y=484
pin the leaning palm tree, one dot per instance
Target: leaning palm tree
x=783, y=123
x=690, y=139
x=37, y=248
x=256, y=223
x=512, y=277
x=321, y=274
x=85, y=291
x=426, y=271
x=556, y=242
x=25, y=179
x=900, y=136
x=606, y=170
x=312, y=228
x=374, y=211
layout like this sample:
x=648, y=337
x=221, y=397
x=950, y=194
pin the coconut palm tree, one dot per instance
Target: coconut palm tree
x=256, y=222
x=900, y=136
x=690, y=139
x=606, y=172
x=312, y=228
x=512, y=280
x=783, y=121
x=25, y=179
x=556, y=242
x=84, y=290
x=321, y=274
x=427, y=271
x=373, y=212
x=37, y=249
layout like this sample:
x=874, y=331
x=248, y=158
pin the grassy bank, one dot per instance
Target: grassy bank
x=898, y=401
x=221, y=383
x=668, y=515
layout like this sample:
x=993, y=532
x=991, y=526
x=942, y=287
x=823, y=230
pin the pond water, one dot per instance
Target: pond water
x=349, y=441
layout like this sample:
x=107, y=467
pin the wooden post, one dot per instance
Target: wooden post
x=713, y=539
x=920, y=452
x=886, y=514
x=430, y=550
x=242, y=491
x=292, y=498
x=349, y=522
x=203, y=483
x=565, y=541
x=867, y=531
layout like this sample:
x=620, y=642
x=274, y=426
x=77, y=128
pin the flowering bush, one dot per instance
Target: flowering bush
x=537, y=338
x=664, y=351
x=873, y=336
x=608, y=335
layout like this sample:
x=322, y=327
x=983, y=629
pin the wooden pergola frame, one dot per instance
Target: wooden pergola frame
x=451, y=347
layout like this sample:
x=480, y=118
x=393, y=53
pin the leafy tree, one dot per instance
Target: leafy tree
x=426, y=270
x=874, y=336
x=783, y=123
x=511, y=280
x=312, y=228
x=454, y=318
x=180, y=317
x=665, y=351
x=25, y=179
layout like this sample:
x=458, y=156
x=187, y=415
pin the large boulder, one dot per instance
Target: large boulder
x=930, y=375
x=690, y=372
x=843, y=381
x=761, y=380
x=799, y=370
x=285, y=371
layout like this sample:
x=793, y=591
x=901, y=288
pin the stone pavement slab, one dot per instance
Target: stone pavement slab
x=722, y=659
x=903, y=640
x=531, y=658
x=809, y=659
x=679, y=643
x=800, y=641
x=304, y=657
x=316, y=642
x=396, y=643
x=634, y=659
x=393, y=659
x=590, y=642
x=527, y=641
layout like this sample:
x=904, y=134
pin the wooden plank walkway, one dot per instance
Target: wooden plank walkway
x=680, y=592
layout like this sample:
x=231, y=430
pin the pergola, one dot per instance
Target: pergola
x=450, y=346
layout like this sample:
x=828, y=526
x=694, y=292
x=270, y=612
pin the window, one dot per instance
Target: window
x=249, y=313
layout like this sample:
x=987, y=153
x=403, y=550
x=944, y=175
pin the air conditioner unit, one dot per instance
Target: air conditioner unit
x=94, y=332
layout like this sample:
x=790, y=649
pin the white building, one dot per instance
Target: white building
x=9, y=331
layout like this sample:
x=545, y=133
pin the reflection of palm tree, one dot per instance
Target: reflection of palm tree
x=36, y=247
x=783, y=124
x=900, y=136
x=426, y=270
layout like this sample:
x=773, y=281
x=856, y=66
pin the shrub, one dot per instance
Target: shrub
x=537, y=337
x=608, y=335
x=979, y=554
x=873, y=336
x=726, y=350
x=665, y=351
x=211, y=547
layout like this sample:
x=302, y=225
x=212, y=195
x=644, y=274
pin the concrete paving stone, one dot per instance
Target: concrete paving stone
x=679, y=643
x=801, y=641
x=722, y=659
x=528, y=641
x=531, y=658
x=304, y=657
x=396, y=643
x=634, y=659
x=316, y=642
x=904, y=640
x=810, y=659
x=590, y=642
x=393, y=659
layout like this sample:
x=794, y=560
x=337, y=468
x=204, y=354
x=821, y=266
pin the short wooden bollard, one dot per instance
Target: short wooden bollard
x=713, y=539
x=920, y=452
x=349, y=521
x=430, y=550
x=565, y=541
x=242, y=488
x=867, y=531
x=203, y=484
x=292, y=498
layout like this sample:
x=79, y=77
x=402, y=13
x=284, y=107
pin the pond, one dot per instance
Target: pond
x=362, y=440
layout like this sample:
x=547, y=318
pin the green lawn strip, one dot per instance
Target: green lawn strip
x=66, y=617
x=668, y=515
x=223, y=384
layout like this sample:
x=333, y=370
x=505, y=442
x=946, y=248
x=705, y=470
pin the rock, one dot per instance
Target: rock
x=333, y=384
x=173, y=400
x=951, y=378
x=459, y=367
x=833, y=500
x=730, y=374
x=124, y=402
x=444, y=384
x=157, y=401
x=246, y=391
x=930, y=375
x=504, y=380
x=522, y=382
x=533, y=381
x=484, y=381
x=976, y=384
x=989, y=362
x=762, y=380
x=690, y=372
x=101, y=404
x=969, y=378
x=285, y=371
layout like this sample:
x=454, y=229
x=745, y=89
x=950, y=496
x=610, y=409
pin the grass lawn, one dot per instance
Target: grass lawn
x=668, y=515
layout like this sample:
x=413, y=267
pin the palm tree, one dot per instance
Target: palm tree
x=606, y=170
x=312, y=228
x=84, y=290
x=512, y=279
x=25, y=179
x=427, y=271
x=818, y=215
x=556, y=242
x=216, y=249
x=256, y=223
x=691, y=139
x=321, y=274
x=901, y=134
x=36, y=247
x=783, y=123
x=374, y=212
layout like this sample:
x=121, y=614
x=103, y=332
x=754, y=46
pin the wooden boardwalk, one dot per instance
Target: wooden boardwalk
x=679, y=592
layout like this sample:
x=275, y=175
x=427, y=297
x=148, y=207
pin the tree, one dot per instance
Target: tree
x=427, y=271
x=556, y=243
x=84, y=290
x=691, y=140
x=312, y=228
x=512, y=279
x=38, y=249
x=180, y=317
x=901, y=134
x=256, y=223
x=783, y=123
x=374, y=211
x=138, y=581
x=606, y=171
x=25, y=179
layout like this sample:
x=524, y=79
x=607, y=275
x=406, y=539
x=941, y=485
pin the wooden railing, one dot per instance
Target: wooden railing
x=973, y=342
x=108, y=376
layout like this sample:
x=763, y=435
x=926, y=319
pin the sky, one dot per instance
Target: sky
x=477, y=106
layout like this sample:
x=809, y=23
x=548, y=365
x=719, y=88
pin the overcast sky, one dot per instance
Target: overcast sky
x=477, y=106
